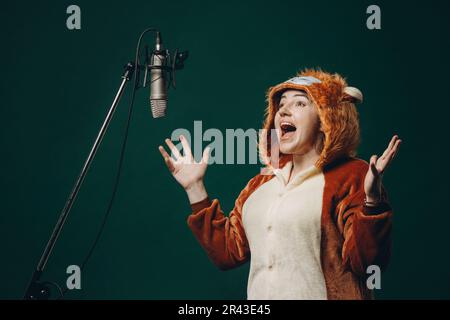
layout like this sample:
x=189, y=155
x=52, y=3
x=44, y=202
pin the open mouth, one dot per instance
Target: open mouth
x=287, y=130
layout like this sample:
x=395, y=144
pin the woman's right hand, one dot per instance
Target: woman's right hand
x=188, y=173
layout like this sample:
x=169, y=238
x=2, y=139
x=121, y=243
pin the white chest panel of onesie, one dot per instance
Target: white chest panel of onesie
x=282, y=222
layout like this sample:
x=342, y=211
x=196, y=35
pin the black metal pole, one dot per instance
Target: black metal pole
x=37, y=290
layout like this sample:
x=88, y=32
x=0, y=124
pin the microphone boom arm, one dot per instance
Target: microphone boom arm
x=37, y=290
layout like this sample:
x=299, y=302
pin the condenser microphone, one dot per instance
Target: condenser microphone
x=158, y=85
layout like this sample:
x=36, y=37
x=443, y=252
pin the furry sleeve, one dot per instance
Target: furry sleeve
x=366, y=232
x=223, y=237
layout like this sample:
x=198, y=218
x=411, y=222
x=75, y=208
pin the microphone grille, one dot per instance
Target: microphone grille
x=158, y=107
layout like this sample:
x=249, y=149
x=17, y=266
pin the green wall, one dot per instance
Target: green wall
x=57, y=85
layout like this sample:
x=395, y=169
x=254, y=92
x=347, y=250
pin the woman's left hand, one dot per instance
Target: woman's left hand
x=372, y=182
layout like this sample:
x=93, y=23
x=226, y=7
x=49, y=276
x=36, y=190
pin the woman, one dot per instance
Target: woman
x=319, y=218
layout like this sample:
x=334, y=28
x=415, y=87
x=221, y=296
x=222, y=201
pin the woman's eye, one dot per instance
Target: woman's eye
x=299, y=103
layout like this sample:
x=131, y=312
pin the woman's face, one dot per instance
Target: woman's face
x=297, y=121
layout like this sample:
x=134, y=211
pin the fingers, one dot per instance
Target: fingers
x=163, y=152
x=186, y=147
x=373, y=165
x=392, y=142
x=396, y=147
x=167, y=159
x=389, y=148
x=392, y=152
x=174, y=149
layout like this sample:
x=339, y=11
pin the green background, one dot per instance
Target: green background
x=57, y=85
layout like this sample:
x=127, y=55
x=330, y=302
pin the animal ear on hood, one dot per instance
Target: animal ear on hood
x=353, y=94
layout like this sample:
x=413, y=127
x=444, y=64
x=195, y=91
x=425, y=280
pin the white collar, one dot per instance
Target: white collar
x=284, y=173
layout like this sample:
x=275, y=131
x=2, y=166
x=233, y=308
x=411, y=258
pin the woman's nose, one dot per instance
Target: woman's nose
x=284, y=111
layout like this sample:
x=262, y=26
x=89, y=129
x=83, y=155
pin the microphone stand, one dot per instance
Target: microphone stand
x=37, y=290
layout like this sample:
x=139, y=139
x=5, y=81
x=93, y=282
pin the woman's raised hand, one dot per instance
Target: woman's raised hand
x=188, y=173
x=377, y=166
